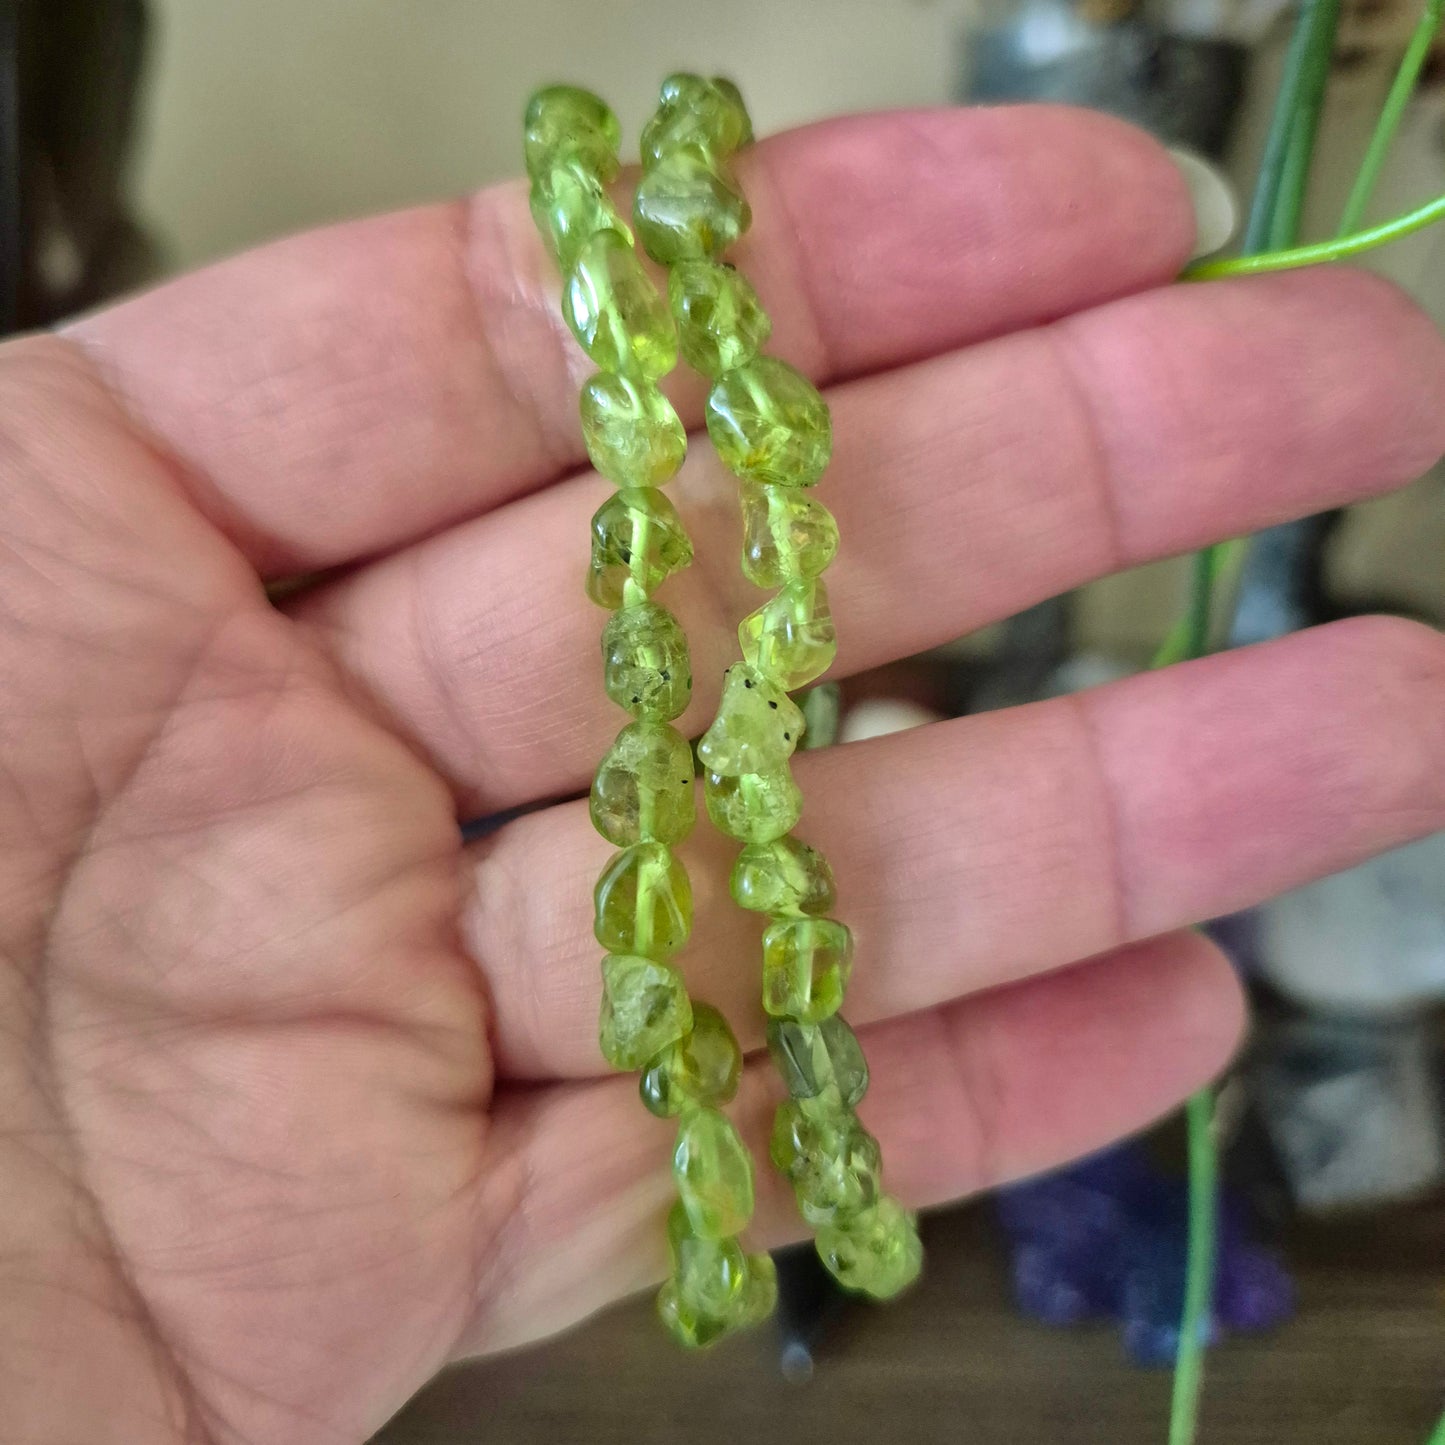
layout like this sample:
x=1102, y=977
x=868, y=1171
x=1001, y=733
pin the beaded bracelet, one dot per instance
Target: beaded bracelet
x=772, y=429
x=642, y=796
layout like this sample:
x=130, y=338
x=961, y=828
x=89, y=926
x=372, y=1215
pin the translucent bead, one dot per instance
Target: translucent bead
x=806, y=963
x=787, y=535
x=701, y=1069
x=633, y=435
x=819, y=1061
x=748, y=1305
x=643, y=902
x=877, y=1252
x=756, y=729
x=643, y=789
x=618, y=316
x=785, y=876
x=638, y=536
x=564, y=121
x=754, y=807
x=791, y=638
x=644, y=1008
x=570, y=205
x=832, y=1160
x=769, y=424
x=721, y=323
x=688, y=206
x=645, y=664
x=703, y=115
x=714, y=1174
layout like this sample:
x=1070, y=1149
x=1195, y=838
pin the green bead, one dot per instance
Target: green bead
x=787, y=535
x=643, y=902
x=643, y=789
x=753, y=807
x=633, y=435
x=698, y=114
x=570, y=205
x=756, y=729
x=564, y=121
x=833, y=1162
x=688, y=206
x=791, y=638
x=644, y=1008
x=714, y=1174
x=721, y=323
x=645, y=663
x=785, y=876
x=877, y=1252
x=637, y=536
x=806, y=963
x=748, y=1305
x=769, y=424
x=618, y=316
x=702, y=1069
x=819, y=1061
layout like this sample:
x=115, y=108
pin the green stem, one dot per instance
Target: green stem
x=1394, y=108
x=1199, y=1280
x=1322, y=251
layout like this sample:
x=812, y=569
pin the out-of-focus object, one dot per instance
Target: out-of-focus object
x=69, y=72
x=1105, y=1238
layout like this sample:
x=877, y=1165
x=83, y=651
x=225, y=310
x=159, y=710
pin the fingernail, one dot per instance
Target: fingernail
x=1216, y=211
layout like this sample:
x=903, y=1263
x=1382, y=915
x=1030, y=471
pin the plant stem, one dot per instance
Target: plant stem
x=1337, y=250
x=1394, y=108
x=1199, y=1280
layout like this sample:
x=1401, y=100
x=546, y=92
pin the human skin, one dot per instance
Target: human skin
x=300, y=1096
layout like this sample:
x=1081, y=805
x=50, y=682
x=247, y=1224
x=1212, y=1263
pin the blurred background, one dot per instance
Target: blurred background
x=146, y=136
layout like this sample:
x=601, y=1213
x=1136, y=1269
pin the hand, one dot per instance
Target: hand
x=301, y=1097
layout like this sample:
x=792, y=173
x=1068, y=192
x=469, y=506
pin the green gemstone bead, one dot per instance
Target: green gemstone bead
x=877, y=1252
x=570, y=205
x=698, y=114
x=633, y=435
x=721, y=323
x=644, y=1008
x=756, y=729
x=564, y=121
x=643, y=902
x=714, y=1174
x=821, y=1061
x=784, y=876
x=702, y=1069
x=637, y=536
x=710, y=1274
x=788, y=536
x=832, y=1160
x=645, y=663
x=748, y=1306
x=753, y=807
x=618, y=316
x=643, y=789
x=688, y=206
x=769, y=424
x=791, y=638
x=806, y=963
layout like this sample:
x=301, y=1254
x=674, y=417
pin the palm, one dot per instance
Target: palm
x=314, y=1082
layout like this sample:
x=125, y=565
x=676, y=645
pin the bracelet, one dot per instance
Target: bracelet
x=771, y=428
x=642, y=797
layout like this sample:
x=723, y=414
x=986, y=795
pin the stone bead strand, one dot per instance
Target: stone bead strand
x=772, y=429
x=643, y=793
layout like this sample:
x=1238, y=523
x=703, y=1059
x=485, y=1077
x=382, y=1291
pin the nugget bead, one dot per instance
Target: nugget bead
x=769, y=424
x=714, y=1174
x=700, y=1069
x=876, y=1252
x=565, y=122
x=643, y=902
x=753, y=807
x=721, y=323
x=645, y=663
x=569, y=206
x=715, y=1288
x=791, y=638
x=821, y=1061
x=637, y=536
x=688, y=207
x=643, y=788
x=644, y=1008
x=784, y=876
x=618, y=316
x=831, y=1159
x=756, y=729
x=633, y=435
x=806, y=963
x=788, y=536
x=696, y=114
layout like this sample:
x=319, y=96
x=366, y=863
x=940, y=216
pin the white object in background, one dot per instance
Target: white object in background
x=876, y=717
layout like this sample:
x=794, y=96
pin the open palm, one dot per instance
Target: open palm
x=299, y=1095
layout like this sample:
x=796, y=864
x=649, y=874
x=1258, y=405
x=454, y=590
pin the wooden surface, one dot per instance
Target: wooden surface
x=1362, y=1364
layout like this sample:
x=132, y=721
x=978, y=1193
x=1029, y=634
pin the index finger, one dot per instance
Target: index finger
x=341, y=393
